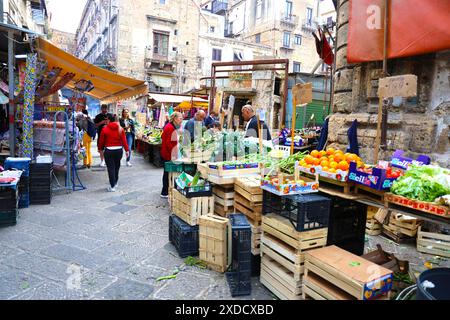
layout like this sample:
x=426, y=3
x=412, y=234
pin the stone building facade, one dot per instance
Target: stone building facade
x=31, y=14
x=418, y=125
x=63, y=40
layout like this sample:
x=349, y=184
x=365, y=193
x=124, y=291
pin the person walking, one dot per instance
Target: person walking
x=90, y=132
x=169, y=148
x=101, y=121
x=251, y=130
x=128, y=125
x=112, y=141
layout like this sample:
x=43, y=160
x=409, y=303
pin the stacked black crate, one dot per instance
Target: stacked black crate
x=41, y=183
x=9, y=206
x=184, y=237
x=239, y=278
x=22, y=164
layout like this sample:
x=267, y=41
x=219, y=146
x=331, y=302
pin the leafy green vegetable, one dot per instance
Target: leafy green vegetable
x=424, y=183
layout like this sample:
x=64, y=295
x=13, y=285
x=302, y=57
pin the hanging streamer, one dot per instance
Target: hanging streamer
x=26, y=149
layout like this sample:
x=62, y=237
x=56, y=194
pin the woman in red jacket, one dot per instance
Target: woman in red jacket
x=169, y=148
x=112, y=141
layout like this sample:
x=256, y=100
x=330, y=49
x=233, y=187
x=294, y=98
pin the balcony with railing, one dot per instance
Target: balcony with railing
x=8, y=19
x=289, y=21
x=310, y=25
x=162, y=63
x=219, y=7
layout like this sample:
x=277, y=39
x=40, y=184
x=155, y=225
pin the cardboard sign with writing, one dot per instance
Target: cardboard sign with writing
x=141, y=118
x=302, y=93
x=399, y=86
x=218, y=101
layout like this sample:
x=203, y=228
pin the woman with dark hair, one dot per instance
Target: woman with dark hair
x=128, y=125
x=113, y=140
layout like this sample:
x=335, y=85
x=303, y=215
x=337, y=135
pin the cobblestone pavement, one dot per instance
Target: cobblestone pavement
x=97, y=245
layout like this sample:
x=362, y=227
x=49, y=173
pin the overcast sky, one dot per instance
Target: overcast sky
x=65, y=14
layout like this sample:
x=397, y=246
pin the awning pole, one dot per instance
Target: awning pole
x=11, y=63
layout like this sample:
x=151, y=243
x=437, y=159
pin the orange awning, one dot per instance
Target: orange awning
x=108, y=86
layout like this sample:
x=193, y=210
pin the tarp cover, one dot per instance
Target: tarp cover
x=414, y=28
x=108, y=86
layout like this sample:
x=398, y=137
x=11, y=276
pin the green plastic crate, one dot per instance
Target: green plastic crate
x=173, y=167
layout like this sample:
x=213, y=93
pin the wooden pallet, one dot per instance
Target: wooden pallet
x=213, y=244
x=190, y=210
x=369, y=193
x=404, y=224
x=373, y=227
x=344, y=187
x=354, y=275
x=433, y=243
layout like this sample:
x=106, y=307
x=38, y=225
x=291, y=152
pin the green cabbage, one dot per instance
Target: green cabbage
x=424, y=183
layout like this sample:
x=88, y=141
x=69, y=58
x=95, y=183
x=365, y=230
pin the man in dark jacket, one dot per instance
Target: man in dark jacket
x=248, y=113
x=101, y=121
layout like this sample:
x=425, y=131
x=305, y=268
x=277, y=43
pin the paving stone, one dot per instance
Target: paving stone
x=6, y=252
x=127, y=227
x=75, y=227
x=17, y=237
x=86, y=218
x=94, y=281
x=125, y=289
x=123, y=198
x=122, y=208
x=148, y=239
x=115, y=266
x=15, y=282
x=184, y=287
x=164, y=258
x=84, y=243
x=63, y=252
x=51, y=291
x=146, y=274
x=36, y=245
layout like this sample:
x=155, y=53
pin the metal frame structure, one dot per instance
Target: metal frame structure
x=215, y=69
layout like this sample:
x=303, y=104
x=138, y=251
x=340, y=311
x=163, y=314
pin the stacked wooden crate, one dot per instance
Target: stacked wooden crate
x=373, y=227
x=332, y=273
x=283, y=255
x=172, y=177
x=223, y=199
x=213, y=246
x=191, y=209
x=402, y=228
x=248, y=200
x=435, y=243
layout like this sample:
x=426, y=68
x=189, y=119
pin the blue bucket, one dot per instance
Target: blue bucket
x=439, y=280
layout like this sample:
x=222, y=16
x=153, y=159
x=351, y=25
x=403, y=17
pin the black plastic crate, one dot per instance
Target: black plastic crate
x=256, y=265
x=312, y=212
x=8, y=218
x=24, y=200
x=280, y=205
x=347, y=225
x=240, y=283
x=9, y=199
x=184, y=237
x=196, y=192
x=241, y=243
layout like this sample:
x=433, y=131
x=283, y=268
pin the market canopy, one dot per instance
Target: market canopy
x=108, y=86
x=182, y=101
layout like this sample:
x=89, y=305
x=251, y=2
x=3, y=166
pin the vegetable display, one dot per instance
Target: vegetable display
x=424, y=183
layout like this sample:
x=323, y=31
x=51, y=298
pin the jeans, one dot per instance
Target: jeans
x=165, y=189
x=112, y=159
x=130, y=141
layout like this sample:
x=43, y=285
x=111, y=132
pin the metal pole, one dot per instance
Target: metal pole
x=11, y=63
x=213, y=89
x=286, y=84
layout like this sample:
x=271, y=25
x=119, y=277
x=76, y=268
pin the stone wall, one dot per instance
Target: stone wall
x=418, y=125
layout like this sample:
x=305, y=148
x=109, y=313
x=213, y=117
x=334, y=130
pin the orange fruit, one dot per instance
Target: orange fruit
x=352, y=158
x=315, y=154
x=338, y=157
x=339, y=152
x=323, y=153
x=333, y=170
x=309, y=159
x=325, y=169
x=323, y=158
x=334, y=165
x=325, y=163
x=302, y=163
x=331, y=151
x=316, y=161
x=344, y=166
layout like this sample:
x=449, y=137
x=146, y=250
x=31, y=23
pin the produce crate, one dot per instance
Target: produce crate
x=214, y=242
x=433, y=243
x=404, y=224
x=24, y=200
x=240, y=283
x=377, y=180
x=394, y=201
x=312, y=212
x=339, y=176
x=373, y=227
x=399, y=161
x=347, y=225
x=197, y=156
x=286, y=189
x=240, y=238
x=190, y=210
x=173, y=167
x=222, y=170
x=223, y=200
x=197, y=191
x=9, y=198
x=184, y=237
x=334, y=274
x=22, y=164
x=282, y=255
x=248, y=199
x=8, y=218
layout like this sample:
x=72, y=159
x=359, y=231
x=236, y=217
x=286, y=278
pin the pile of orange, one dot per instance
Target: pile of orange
x=331, y=160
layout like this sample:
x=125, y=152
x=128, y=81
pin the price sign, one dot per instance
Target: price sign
x=399, y=86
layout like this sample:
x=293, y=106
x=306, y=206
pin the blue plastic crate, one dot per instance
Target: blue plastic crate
x=240, y=283
x=24, y=200
x=22, y=164
x=241, y=245
x=184, y=237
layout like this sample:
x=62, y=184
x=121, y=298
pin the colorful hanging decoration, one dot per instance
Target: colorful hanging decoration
x=47, y=83
x=26, y=149
x=61, y=83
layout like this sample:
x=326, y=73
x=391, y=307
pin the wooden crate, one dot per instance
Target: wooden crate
x=316, y=288
x=190, y=210
x=248, y=198
x=433, y=243
x=393, y=201
x=371, y=212
x=283, y=255
x=256, y=239
x=340, y=186
x=355, y=276
x=172, y=177
x=213, y=245
x=223, y=199
x=250, y=184
x=393, y=234
x=370, y=193
x=220, y=172
x=404, y=224
x=373, y=227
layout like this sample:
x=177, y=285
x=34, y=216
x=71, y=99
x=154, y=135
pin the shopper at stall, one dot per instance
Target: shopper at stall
x=169, y=148
x=101, y=120
x=128, y=125
x=211, y=119
x=192, y=126
x=112, y=141
x=90, y=132
x=248, y=113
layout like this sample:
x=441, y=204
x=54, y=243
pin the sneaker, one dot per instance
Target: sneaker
x=117, y=184
x=103, y=164
x=129, y=164
x=165, y=196
x=111, y=189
